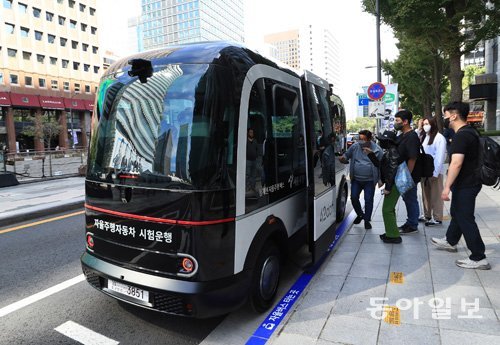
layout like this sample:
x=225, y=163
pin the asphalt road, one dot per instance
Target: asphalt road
x=38, y=257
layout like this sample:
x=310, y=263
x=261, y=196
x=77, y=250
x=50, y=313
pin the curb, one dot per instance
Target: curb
x=49, y=210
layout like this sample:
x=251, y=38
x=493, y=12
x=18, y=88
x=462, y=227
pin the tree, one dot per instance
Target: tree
x=451, y=27
x=44, y=126
x=359, y=123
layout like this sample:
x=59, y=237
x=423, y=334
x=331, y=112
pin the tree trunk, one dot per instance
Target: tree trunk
x=456, y=75
x=436, y=79
x=427, y=105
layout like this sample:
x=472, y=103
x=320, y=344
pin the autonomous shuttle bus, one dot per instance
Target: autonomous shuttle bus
x=187, y=212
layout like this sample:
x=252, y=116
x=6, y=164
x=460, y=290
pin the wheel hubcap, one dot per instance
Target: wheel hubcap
x=269, y=277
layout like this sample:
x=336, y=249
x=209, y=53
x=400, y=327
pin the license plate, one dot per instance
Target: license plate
x=128, y=290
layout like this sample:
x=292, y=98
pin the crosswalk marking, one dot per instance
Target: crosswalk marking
x=83, y=334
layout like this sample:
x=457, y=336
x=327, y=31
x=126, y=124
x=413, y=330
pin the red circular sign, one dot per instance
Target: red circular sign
x=376, y=91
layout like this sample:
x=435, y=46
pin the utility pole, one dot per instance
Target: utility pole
x=379, y=67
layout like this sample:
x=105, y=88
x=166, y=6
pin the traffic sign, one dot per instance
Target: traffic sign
x=376, y=91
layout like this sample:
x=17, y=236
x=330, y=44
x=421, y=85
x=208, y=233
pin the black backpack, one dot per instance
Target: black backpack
x=424, y=164
x=489, y=161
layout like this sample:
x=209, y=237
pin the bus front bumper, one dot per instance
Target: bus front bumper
x=168, y=295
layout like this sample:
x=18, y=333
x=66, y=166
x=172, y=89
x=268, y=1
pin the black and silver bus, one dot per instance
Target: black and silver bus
x=181, y=216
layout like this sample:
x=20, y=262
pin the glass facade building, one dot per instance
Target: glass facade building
x=165, y=22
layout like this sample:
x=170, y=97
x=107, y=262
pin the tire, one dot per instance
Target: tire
x=341, y=203
x=265, y=278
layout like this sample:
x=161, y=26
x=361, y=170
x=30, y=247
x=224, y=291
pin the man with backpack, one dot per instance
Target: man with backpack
x=463, y=181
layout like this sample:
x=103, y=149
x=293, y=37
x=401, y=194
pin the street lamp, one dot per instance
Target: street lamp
x=387, y=74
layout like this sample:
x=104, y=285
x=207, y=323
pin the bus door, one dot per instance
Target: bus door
x=322, y=194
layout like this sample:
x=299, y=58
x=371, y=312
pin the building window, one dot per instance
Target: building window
x=14, y=79
x=40, y=58
x=26, y=55
x=37, y=12
x=22, y=8
x=85, y=47
x=63, y=41
x=7, y=3
x=87, y=88
x=93, y=30
x=9, y=28
x=1, y=79
x=60, y=1
x=86, y=67
x=53, y=60
x=74, y=44
x=82, y=8
x=38, y=35
x=54, y=85
x=49, y=16
x=83, y=26
x=66, y=86
x=61, y=20
x=41, y=83
x=51, y=38
x=72, y=24
x=28, y=81
x=94, y=49
x=91, y=11
x=11, y=52
x=77, y=87
x=71, y=3
x=65, y=63
x=24, y=32
x=96, y=69
x=76, y=65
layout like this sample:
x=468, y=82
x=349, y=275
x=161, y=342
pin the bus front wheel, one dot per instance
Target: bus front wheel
x=265, y=278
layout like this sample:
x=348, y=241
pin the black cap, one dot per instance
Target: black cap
x=387, y=135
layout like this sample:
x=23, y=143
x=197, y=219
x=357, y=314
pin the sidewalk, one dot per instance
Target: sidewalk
x=436, y=301
x=31, y=200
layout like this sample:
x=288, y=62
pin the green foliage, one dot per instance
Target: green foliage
x=447, y=27
x=469, y=74
x=359, y=123
x=45, y=127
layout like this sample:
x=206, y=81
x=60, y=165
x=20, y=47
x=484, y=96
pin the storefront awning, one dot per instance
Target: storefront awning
x=89, y=105
x=75, y=104
x=4, y=99
x=22, y=100
x=51, y=102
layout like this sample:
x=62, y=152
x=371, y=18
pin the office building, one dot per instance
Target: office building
x=184, y=21
x=49, y=65
x=312, y=48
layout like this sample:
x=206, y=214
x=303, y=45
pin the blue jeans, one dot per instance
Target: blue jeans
x=463, y=222
x=368, y=187
x=412, y=209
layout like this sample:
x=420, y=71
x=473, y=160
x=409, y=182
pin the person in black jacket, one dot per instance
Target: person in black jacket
x=388, y=169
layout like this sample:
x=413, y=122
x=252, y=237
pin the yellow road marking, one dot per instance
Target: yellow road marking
x=40, y=222
x=397, y=278
x=393, y=316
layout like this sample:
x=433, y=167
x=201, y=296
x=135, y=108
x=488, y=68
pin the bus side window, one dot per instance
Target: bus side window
x=255, y=175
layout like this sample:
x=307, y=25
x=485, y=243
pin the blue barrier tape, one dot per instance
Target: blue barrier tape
x=266, y=329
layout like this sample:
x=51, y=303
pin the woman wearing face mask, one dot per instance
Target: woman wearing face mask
x=432, y=187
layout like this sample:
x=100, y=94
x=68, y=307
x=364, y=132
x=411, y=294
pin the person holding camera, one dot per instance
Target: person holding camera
x=364, y=175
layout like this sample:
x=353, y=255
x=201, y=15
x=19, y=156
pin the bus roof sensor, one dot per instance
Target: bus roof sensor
x=141, y=68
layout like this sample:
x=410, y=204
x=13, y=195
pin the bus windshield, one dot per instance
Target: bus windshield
x=174, y=131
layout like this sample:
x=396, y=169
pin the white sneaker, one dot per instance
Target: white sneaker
x=443, y=244
x=468, y=263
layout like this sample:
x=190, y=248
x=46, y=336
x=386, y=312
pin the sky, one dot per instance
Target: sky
x=353, y=28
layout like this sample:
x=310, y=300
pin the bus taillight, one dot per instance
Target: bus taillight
x=187, y=265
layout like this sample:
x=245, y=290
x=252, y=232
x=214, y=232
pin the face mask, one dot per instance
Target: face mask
x=427, y=128
x=446, y=123
x=398, y=126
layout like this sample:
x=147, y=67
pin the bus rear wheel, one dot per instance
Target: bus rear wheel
x=265, y=278
x=341, y=203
